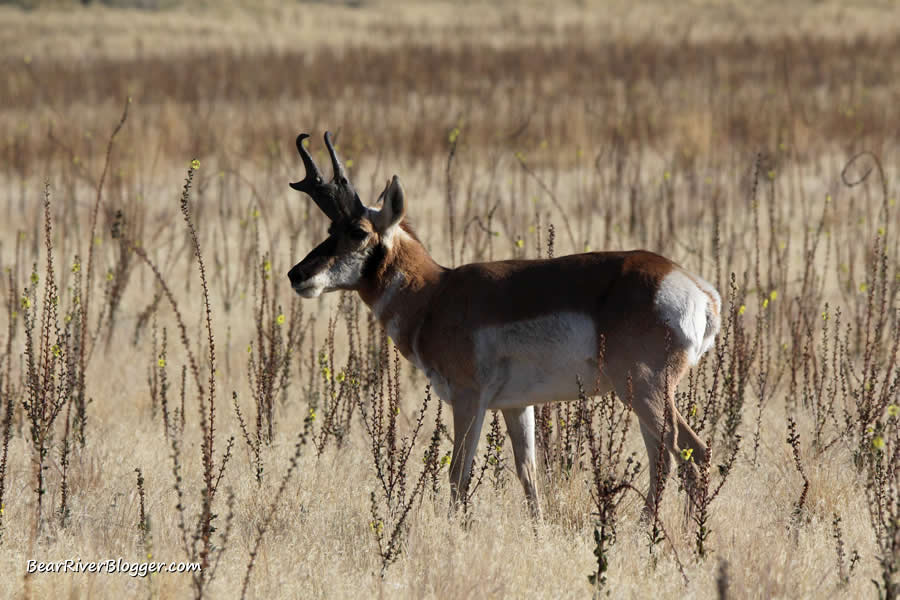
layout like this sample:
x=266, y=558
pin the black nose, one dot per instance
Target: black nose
x=296, y=275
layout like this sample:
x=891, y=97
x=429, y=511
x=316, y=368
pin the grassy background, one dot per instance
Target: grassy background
x=713, y=132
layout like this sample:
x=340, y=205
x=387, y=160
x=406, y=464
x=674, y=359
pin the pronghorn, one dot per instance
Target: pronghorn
x=511, y=334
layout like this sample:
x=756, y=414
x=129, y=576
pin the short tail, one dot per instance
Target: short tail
x=692, y=308
x=713, y=321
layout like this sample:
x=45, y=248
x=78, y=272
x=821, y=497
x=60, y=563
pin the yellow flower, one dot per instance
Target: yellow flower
x=824, y=315
x=445, y=460
x=686, y=454
x=772, y=174
x=693, y=410
x=587, y=247
x=312, y=414
x=35, y=278
x=880, y=231
x=863, y=287
x=255, y=213
x=76, y=267
x=893, y=410
x=195, y=164
x=326, y=373
x=56, y=351
x=766, y=303
x=878, y=442
x=26, y=302
x=454, y=134
x=519, y=242
x=267, y=266
x=742, y=309
x=667, y=175
x=773, y=294
x=109, y=275
x=340, y=377
x=279, y=319
x=161, y=362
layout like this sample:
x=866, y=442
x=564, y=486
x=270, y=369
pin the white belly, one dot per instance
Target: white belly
x=537, y=361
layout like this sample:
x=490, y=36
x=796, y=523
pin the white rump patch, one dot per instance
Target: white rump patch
x=690, y=306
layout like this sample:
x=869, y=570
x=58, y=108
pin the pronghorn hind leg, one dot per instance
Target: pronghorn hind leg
x=652, y=396
x=687, y=438
x=468, y=418
x=520, y=425
x=659, y=466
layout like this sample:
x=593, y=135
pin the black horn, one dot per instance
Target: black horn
x=340, y=176
x=313, y=183
x=337, y=199
x=351, y=202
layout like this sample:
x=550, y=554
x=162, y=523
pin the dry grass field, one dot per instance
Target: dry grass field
x=165, y=396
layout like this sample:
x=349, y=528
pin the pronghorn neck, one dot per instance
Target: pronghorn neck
x=401, y=287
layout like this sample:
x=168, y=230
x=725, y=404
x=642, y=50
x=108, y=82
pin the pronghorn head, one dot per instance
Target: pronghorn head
x=358, y=238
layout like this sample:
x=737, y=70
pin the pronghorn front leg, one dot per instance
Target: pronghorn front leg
x=520, y=425
x=468, y=417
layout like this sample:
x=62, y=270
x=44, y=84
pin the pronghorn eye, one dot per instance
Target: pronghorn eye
x=358, y=234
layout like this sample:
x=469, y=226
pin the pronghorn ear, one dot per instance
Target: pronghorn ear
x=393, y=207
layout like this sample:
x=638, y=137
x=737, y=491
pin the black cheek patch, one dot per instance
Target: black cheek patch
x=373, y=261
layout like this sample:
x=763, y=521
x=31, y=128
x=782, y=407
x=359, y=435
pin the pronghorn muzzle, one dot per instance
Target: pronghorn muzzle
x=316, y=262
